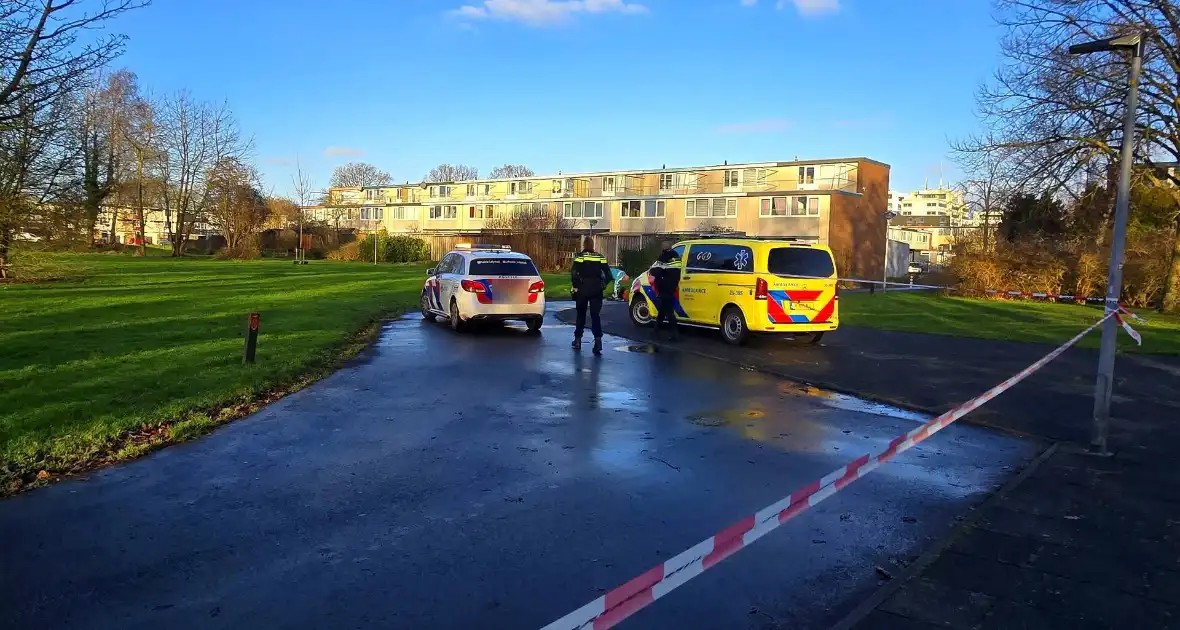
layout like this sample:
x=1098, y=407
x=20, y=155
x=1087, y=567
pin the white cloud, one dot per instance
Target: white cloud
x=544, y=12
x=811, y=7
x=343, y=152
x=749, y=3
x=770, y=125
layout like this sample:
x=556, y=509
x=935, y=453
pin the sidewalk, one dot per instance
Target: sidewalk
x=1076, y=541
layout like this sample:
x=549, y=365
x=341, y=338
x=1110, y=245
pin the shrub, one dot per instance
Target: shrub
x=637, y=261
x=348, y=251
x=245, y=251
x=398, y=248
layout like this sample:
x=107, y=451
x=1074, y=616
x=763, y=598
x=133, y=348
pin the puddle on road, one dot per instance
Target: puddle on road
x=850, y=403
x=638, y=348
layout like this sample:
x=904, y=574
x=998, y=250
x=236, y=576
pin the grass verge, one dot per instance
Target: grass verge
x=1036, y=322
x=142, y=352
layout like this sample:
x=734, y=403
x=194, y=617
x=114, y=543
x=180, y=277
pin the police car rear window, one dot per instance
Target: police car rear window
x=502, y=267
x=800, y=261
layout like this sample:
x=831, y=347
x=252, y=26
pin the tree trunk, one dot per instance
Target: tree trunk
x=5, y=239
x=114, y=236
x=139, y=226
x=1171, y=301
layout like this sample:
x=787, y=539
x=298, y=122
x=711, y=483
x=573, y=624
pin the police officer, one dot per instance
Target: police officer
x=589, y=275
x=666, y=273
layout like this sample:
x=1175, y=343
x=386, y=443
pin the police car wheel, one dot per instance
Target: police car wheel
x=534, y=324
x=733, y=326
x=426, y=314
x=640, y=313
x=457, y=323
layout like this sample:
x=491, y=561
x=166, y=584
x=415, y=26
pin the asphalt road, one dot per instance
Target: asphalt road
x=492, y=480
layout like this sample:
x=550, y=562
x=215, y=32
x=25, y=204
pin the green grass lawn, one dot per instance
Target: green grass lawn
x=139, y=352
x=1038, y=322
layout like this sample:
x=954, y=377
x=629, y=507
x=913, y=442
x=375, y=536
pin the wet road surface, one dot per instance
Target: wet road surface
x=493, y=480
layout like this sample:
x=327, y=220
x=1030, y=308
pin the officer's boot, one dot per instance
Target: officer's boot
x=577, y=344
x=598, y=346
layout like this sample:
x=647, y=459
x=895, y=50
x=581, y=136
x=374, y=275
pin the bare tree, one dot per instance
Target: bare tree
x=282, y=213
x=105, y=119
x=359, y=174
x=139, y=134
x=304, y=192
x=193, y=137
x=509, y=171
x=987, y=186
x=236, y=208
x=45, y=56
x=42, y=54
x=452, y=173
x=1059, y=116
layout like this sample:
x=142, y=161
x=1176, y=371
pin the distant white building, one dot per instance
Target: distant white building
x=928, y=203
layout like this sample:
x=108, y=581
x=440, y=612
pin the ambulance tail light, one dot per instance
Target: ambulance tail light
x=761, y=290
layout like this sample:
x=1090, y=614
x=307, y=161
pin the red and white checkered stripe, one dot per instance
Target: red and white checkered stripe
x=1063, y=297
x=623, y=601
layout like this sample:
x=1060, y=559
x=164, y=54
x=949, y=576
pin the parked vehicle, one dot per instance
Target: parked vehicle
x=749, y=285
x=914, y=267
x=484, y=283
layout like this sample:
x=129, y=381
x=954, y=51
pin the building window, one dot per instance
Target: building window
x=666, y=181
x=654, y=209
x=580, y=210
x=608, y=184
x=631, y=209
x=723, y=207
x=804, y=206
x=731, y=179
x=773, y=207
x=557, y=185
x=470, y=190
x=444, y=212
x=696, y=208
x=373, y=194
x=806, y=174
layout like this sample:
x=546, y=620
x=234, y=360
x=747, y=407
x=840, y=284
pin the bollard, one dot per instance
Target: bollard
x=251, y=338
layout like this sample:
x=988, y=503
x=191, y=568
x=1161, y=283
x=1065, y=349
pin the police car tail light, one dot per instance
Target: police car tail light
x=537, y=287
x=761, y=290
x=472, y=286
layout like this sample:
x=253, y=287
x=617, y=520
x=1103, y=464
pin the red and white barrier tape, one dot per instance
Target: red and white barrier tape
x=627, y=599
x=1009, y=292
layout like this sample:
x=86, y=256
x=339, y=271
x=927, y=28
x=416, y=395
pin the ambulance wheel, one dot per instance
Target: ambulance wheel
x=457, y=323
x=639, y=311
x=425, y=303
x=733, y=326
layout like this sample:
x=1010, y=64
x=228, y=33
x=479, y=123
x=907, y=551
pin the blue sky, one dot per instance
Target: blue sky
x=576, y=85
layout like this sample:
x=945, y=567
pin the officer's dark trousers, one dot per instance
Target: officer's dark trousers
x=594, y=304
x=666, y=305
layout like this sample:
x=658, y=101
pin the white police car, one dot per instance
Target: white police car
x=484, y=283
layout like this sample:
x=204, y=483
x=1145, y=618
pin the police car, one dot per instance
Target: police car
x=484, y=283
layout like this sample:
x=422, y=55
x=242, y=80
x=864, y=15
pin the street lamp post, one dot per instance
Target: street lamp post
x=888, y=216
x=1114, y=274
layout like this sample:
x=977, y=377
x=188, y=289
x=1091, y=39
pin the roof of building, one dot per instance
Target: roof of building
x=649, y=171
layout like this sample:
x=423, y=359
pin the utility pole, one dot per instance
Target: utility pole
x=1114, y=278
x=888, y=215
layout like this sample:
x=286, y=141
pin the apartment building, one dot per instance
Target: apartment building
x=929, y=202
x=834, y=201
x=116, y=224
